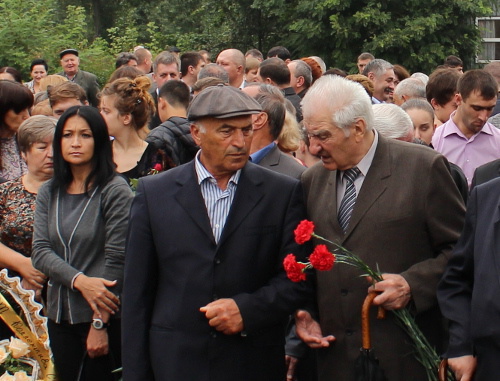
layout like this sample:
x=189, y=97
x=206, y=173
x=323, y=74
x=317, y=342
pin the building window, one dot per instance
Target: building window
x=489, y=28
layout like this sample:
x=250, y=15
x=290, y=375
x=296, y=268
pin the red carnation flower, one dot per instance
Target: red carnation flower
x=321, y=259
x=158, y=167
x=304, y=231
x=294, y=269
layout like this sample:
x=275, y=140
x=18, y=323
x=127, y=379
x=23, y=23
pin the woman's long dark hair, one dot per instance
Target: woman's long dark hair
x=103, y=167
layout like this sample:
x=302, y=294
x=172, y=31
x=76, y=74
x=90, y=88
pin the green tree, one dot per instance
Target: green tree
x=417, y=34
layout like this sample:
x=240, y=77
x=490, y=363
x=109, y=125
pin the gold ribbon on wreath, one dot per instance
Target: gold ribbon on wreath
x=38, y=350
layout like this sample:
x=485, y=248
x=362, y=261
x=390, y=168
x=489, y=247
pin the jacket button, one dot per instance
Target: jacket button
x=349, y=332
x=213, y=335
x=215, y=297
x=344, y=292
x=217, y=261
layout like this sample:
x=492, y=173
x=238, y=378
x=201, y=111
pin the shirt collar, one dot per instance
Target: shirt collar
x=203, y=174
x=257, y=156
x=366, y=162
x=454, y=129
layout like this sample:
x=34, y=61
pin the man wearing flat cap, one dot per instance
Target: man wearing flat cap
x=205, y=294
x=70, y=62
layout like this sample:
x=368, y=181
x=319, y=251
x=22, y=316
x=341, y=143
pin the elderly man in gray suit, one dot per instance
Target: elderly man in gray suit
x=392, y=203
x=70, y=62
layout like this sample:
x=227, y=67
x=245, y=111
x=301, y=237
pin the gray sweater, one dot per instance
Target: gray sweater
x=96, y=249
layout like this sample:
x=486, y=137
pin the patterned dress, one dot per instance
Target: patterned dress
x=17, y=208
x=13, y=165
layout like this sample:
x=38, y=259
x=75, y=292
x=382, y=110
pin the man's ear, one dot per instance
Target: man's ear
x=371, y=75
x=434, y=104
x=259, y=120
x=300, y=81
x=359, y=129
x=195, y=133
x=162, y=103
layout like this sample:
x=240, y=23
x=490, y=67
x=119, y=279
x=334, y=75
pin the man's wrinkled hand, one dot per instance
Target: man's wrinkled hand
x=309, y=331
x=394, y=291
x=224, y=315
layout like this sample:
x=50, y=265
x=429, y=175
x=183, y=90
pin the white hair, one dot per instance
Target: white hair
x=346, y=100
x=423, y=77
x=411, y=88
x=320, y=62
x=392, y=122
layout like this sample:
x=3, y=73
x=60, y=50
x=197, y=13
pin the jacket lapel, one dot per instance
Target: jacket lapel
x=374, y=185
x=189, y=197
x=496, y=240
x=248, y=194
x=331, y=202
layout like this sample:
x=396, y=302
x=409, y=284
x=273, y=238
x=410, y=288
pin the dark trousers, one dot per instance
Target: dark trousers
x=69, y=347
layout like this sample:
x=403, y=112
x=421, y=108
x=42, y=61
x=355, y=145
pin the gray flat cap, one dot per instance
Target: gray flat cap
x=222, y=102
x=68, y=51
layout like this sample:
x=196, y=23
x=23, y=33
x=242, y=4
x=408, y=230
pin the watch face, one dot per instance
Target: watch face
x=97, y=324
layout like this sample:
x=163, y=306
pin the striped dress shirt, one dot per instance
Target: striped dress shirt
x=217, y=201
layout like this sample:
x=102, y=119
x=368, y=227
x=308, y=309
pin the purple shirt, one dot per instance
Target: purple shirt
x=468, y=154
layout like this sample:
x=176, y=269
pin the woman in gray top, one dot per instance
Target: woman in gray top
x=80, y=228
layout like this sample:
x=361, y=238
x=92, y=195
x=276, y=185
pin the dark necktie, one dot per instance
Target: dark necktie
x=347, y=203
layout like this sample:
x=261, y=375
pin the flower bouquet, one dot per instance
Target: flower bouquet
x=153, y=171
x=322, y=259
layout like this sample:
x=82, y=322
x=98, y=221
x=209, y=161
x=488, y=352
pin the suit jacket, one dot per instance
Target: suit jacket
x=468, y=292
x=173, y=267
x=407, y=217
x=289, y=94
x=88, y=82
x=280, y=162
x=486, y=172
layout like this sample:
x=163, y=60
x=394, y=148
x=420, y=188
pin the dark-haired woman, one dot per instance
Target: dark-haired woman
x=10, y=73
x=81, y=220
x=15, y=102
x=38, y=70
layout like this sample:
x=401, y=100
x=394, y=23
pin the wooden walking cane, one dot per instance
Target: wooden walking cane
x=365, y=319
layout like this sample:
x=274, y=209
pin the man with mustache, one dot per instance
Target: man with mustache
x=467, y=139
x=382, y=75
x=205, y=293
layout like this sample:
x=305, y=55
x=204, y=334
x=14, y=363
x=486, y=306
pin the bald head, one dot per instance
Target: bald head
x=233, y=61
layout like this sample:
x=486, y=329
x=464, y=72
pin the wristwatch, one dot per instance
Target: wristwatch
x=99, y=324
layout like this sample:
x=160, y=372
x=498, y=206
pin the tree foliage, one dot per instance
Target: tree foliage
x=417, y=34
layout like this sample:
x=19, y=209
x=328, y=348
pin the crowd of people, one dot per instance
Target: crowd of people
x=151, y=217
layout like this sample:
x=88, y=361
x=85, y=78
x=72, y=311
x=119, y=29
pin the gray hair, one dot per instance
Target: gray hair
x=166, y=58
x=215, y=71
x=34, y=130
x=410, y=87
x=346, y=100
x=302, y=69
x=421, y=76
x=272, y=101
x=392, y=122
x=377, y=66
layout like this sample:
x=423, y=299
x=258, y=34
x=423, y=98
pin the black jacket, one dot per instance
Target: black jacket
x=174, y=137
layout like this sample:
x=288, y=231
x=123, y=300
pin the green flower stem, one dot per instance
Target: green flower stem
x=424, y=352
